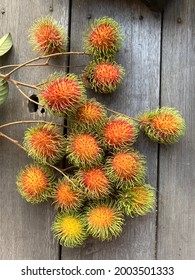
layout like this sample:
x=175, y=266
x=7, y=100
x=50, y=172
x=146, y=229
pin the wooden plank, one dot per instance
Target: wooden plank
x=156, y=5
x=176, y=227
x=140, y=91
x=25, y=228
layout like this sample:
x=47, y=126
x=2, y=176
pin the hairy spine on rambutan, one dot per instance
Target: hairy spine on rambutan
x=35, y=183
x=119, y=132
x=48, y=36
x=94, y=182
x=164, y=125
x=62, y=94
x=45, y=143
x=126, y=168
x=103, y=38
x=70, y=229
x=67, y=195
x=83, y=150
x=103, y=76
x=90, y=116
x=137, y=200
x=104, y=220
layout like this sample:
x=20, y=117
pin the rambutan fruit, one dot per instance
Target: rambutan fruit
x=104, y=220
x=35, y=183
x=103, y=38
x=62, y=94
x=70, y=229
x=94, y=182
x=103, y=76
x=89, y=116
x=119, y=132
x=137, y=200
x=83, y=150
x=126, y=168
x=164, y=125
x=45, y=143
x=66, y=196
x=47, y=36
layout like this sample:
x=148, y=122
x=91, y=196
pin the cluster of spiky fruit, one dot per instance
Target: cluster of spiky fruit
x=109, y=174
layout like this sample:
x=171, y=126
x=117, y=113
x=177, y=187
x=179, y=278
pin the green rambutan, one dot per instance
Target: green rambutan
x=137, y=200
x=70, y=229
x=47, y=36
x=89, y=116
x=103, y=76
x=119, y=132
x=103, y=38
x=104, y=220
x=83, y=150
x=45, y=143
x=62, y=94
x=66, y=196
x=94, y=182
x=35, y=183
x=126, y=168
x=164, y=125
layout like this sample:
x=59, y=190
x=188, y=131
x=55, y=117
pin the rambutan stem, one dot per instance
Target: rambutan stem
x=12, y=140
x=26, y=96
x=41, y=64
x=30, y=121
x=117, y=113
x=23, y=84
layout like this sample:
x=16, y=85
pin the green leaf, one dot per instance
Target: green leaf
x=5, y=44
x=4, y=89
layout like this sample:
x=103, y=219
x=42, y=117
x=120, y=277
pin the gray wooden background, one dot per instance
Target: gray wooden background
x=159, y=56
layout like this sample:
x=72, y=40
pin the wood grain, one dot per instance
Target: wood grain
x=140, y=56
x=176, y=222
x=25, y=228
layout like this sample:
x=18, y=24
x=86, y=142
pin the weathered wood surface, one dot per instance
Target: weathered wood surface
x=155, y=74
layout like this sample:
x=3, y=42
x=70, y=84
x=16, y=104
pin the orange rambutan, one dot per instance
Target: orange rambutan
x=45, y=143
x=70, y=229
x=103, y=38
x=62, y=93
x=103, y=76
x=94, y=182
x=35, y=183
x=91, y=116
x=164, y=125
x=119, y=132
x=126, y=168
x=104, y=220
x=137, y=200
x=83, y=150
x=47, y=36
x=66, y=196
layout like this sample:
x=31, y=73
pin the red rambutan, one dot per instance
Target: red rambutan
x=62, y=94
x=35, y=183
x=103, y=76
x=47, y=36
x=83, y=150
x=103, y=38
x=45, y=143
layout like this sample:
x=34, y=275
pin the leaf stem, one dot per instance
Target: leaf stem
x=30, y=121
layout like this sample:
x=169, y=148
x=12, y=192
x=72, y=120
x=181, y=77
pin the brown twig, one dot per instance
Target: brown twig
x=30, y=121
x=118, y=113
x=26, y=96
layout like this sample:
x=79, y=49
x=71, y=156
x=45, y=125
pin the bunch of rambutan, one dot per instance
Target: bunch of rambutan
x=108, y=181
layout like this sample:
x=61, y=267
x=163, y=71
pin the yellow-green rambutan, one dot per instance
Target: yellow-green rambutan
x=104, y=220
x=70, y=229
x=119, y=132
x=47, y=36
x=164, y=125
x=90, y=116
x=62, y=94
x=45, y=143
x=103, y=38
x=103, y=76
x=137, y=200
x=83, y=150
x=94, y=182
x=35, y=183
x=67, y=195
x=126, y=168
